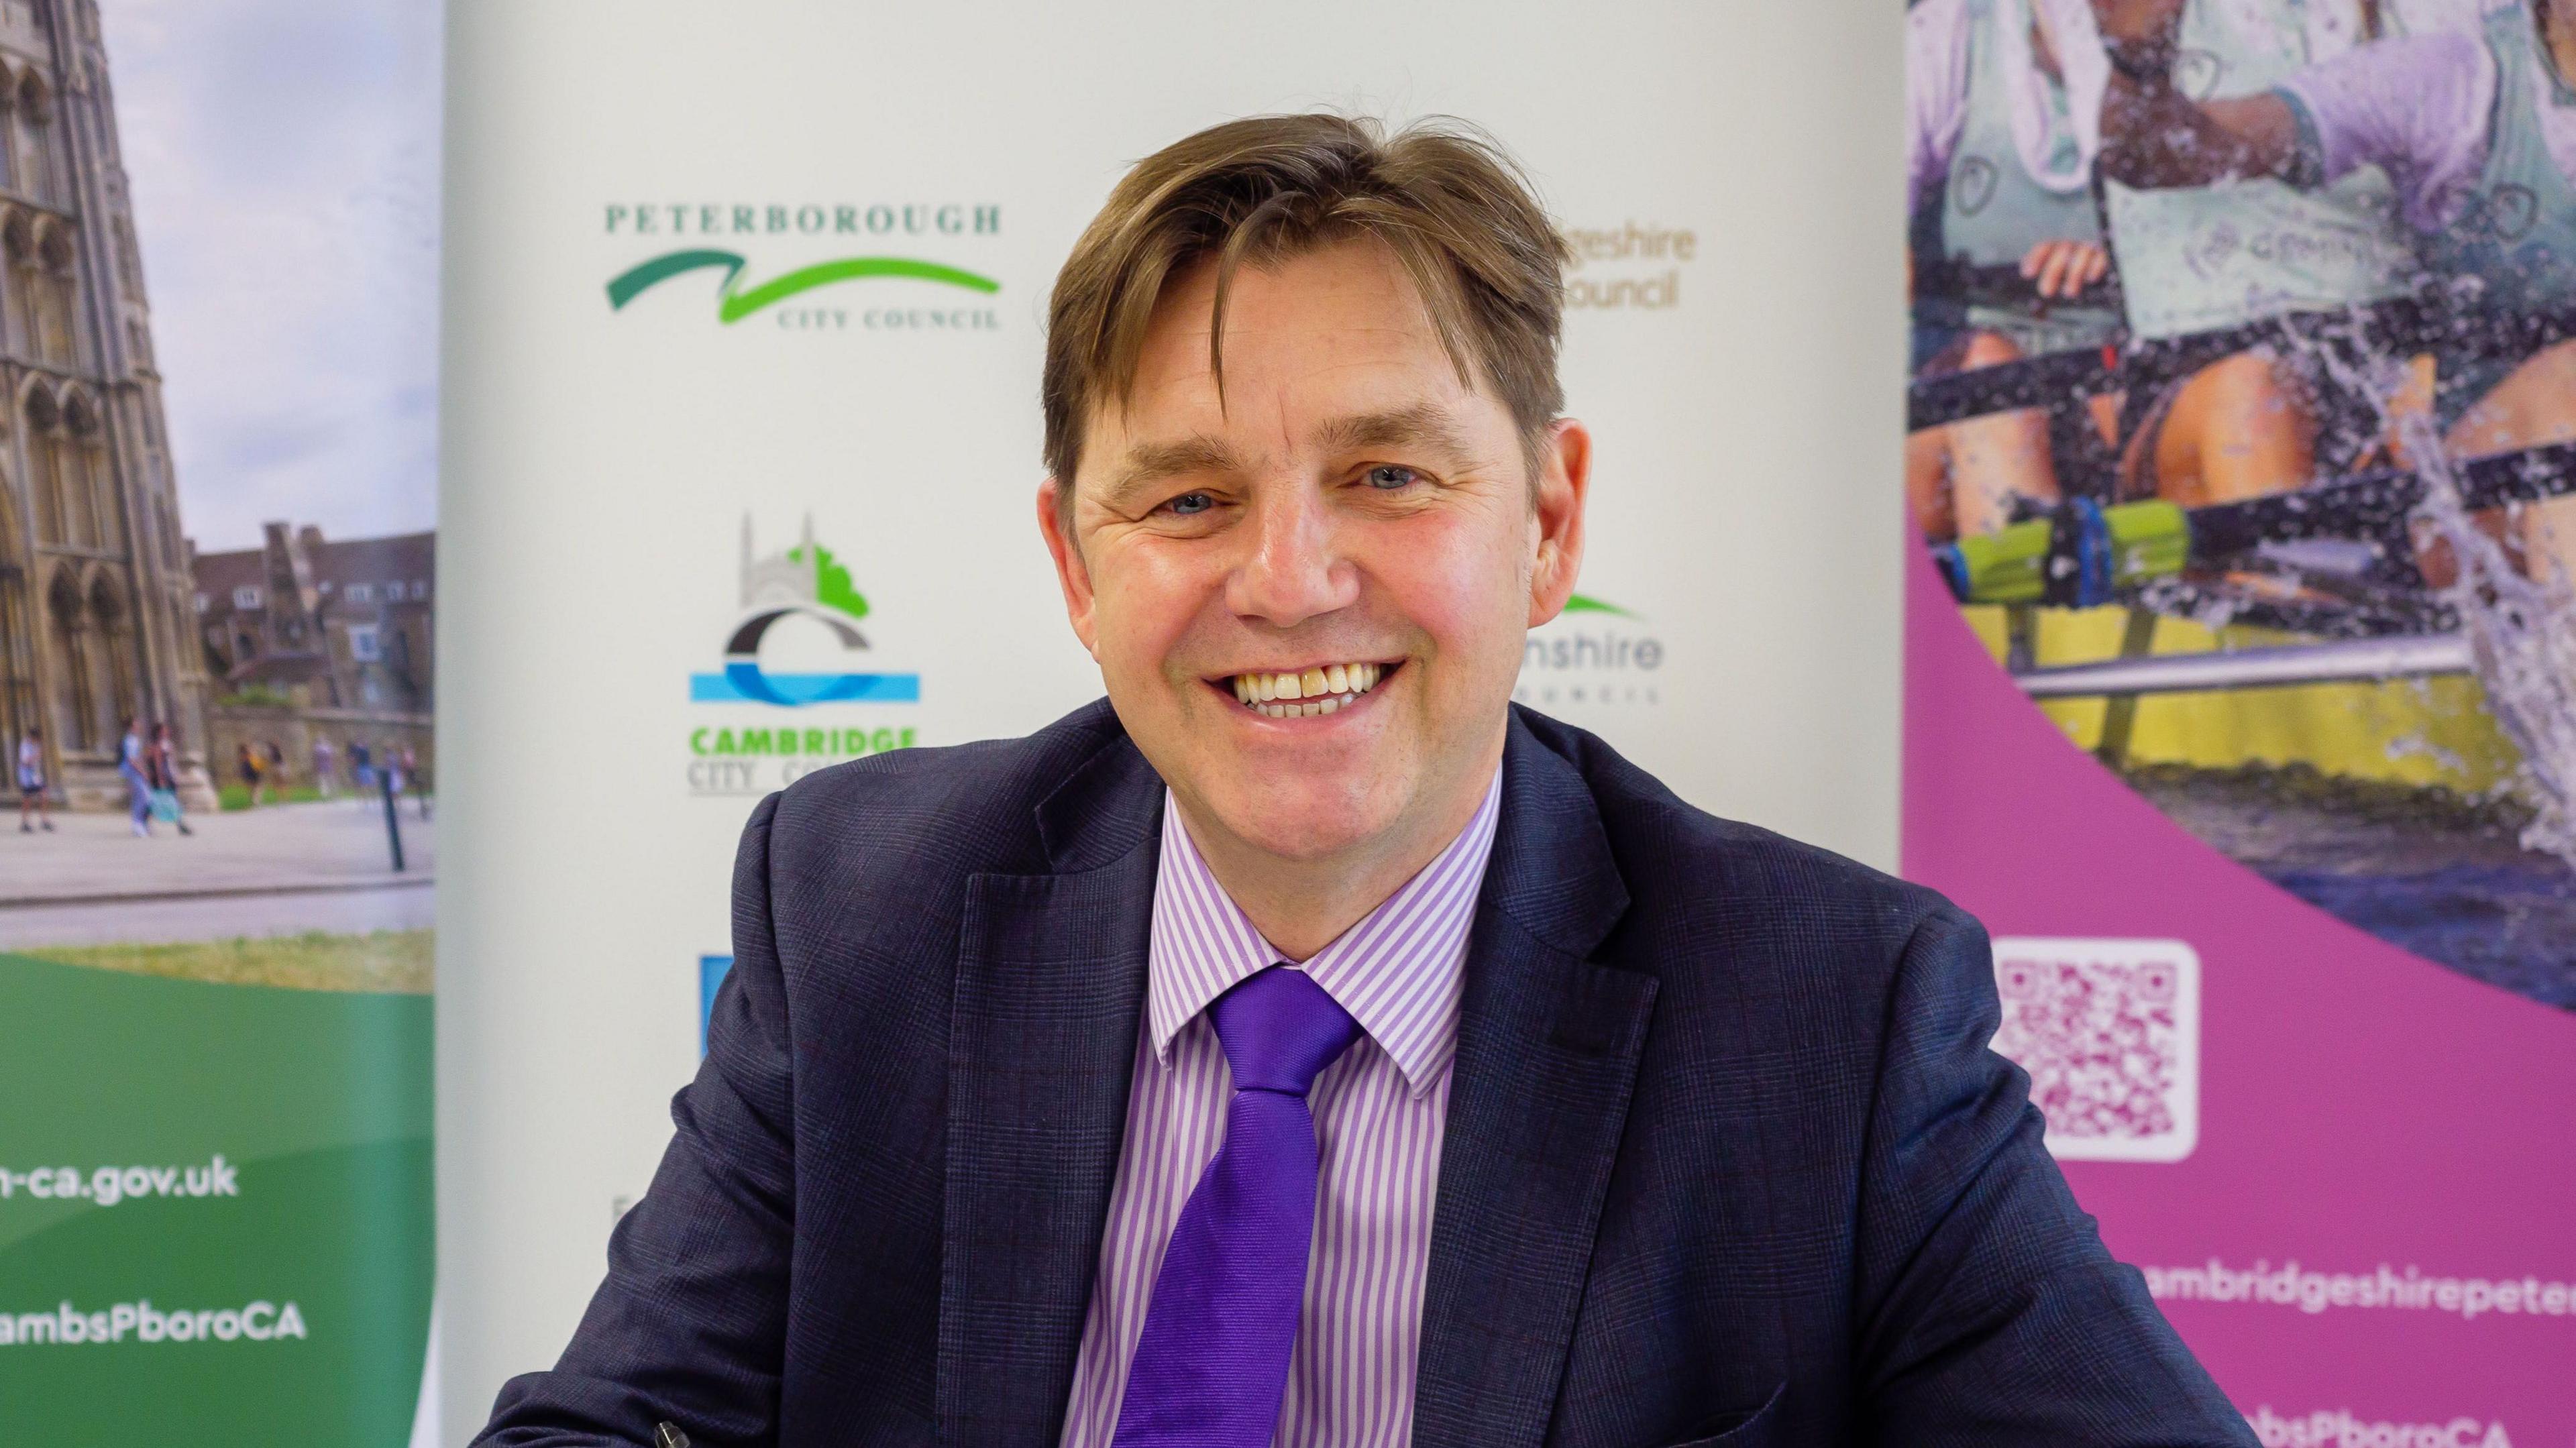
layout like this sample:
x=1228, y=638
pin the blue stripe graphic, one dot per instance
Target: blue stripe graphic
x=797, y=689
x=712, y=970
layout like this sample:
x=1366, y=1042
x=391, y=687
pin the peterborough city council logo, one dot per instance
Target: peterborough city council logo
x=805, y=582
x=880, y=243
x=734, y=302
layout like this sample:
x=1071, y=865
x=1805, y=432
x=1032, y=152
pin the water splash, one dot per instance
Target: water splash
x=2521, y=631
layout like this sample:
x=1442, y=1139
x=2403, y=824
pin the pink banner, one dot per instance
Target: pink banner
x=2241, y=662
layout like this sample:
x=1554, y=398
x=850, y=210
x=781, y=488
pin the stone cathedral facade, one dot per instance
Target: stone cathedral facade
x=95, y=597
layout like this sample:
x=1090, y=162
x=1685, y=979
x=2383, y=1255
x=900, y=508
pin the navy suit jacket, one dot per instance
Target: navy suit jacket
x=1728, y=1160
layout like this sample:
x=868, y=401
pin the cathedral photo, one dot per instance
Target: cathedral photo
x=95, y=598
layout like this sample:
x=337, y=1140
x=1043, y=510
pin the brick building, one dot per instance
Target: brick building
x=321, y=624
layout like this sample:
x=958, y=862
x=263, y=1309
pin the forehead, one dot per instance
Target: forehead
x=1313, y=338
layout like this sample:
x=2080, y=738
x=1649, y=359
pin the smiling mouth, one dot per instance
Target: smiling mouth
x=1305, y=693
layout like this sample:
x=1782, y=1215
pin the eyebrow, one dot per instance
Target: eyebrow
x=1421, y=425
x=1148, y=463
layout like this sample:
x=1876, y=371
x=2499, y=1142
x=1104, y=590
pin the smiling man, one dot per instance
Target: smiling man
x=1305, y=1046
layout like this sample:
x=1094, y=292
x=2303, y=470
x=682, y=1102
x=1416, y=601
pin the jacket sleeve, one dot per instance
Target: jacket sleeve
x=1989, y=1312
x=690, y=1325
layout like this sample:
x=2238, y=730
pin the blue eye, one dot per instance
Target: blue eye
x=1387, y=477
x=1189, y=503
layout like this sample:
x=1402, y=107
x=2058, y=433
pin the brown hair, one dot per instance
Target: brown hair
x=1455, y=209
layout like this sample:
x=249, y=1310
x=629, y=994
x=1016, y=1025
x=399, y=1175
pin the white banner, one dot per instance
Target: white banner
x=745, y=317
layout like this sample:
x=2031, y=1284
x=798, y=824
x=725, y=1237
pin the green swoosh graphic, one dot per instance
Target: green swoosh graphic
x=623, y=287
x=626, y=285
x=1578, y=603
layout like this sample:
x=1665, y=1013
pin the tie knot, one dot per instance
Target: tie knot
x=1280, y=1030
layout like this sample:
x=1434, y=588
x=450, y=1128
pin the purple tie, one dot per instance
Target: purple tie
x=1213, y=1358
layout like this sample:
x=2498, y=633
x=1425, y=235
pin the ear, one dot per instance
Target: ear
x=1071, y=573
x=1556, y=518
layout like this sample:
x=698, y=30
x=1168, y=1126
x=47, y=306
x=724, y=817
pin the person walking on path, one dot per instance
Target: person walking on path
x=247, y=762
x=362, y=770
x=325, y=761
x=129, y=767
x=161, y=768
x=410, y=770
x=31, y=783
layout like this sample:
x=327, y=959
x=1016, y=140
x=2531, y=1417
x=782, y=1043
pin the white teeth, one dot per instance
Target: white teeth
x=1305, y=693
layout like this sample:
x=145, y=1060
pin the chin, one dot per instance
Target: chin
x=1308, y=825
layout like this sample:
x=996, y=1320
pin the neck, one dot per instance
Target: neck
x=1301, y=906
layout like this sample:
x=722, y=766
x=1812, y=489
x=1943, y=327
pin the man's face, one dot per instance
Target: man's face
x=1309, y=604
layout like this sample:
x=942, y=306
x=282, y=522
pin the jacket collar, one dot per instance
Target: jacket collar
x=1548, y=1048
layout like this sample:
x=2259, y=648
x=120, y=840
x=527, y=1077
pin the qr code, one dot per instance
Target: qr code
x=2109, y=1031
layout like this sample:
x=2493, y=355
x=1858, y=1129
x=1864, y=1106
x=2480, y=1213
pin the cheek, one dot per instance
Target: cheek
x=1147, y=602
x=1460, y=582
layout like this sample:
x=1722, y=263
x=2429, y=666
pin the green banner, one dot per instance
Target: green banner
x=215, y=1210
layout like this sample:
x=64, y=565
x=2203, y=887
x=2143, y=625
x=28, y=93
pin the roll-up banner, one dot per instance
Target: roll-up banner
x=746, y=315
x=217, y=621
x=2241, y=662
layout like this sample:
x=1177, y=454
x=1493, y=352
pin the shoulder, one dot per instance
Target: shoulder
x=1711, y=897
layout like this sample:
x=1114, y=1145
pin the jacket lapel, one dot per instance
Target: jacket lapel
x=1548, y=1045
x=1050, y=984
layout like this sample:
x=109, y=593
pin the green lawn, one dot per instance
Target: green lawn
x=237, y=796
x=397, y=961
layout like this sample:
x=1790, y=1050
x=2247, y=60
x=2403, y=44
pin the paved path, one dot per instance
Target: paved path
x=218, y=917
x=274, y=870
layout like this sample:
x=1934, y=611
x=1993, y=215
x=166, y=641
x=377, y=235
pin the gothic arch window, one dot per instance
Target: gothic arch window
x=53, y=288
x=78, y=462
x=35, y=132
x=18, y=280
x=44, y=474
x=9, y=167
x=115, y=654
x=76, y=718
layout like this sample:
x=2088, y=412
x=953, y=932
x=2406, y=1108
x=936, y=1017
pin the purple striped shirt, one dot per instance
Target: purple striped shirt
x=1378, y=1118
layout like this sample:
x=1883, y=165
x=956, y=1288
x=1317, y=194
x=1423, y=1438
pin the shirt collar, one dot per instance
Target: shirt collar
x=1400, y=971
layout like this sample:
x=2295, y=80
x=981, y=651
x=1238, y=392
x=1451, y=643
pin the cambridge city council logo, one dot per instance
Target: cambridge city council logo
x=803, y=583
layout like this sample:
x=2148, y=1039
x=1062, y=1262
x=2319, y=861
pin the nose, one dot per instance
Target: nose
x=1293, y=570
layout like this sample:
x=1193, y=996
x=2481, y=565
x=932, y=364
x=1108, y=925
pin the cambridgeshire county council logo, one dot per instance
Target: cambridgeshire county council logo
x=914, y=293
x=1595, y=653
x=805, y=582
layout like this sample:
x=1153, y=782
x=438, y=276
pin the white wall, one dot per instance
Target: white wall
x=598, y=464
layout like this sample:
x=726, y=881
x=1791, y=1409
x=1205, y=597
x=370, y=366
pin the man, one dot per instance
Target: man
x=31, y=783
x=1306, y=1046
x=2478, y=130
